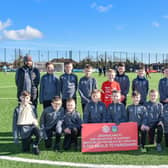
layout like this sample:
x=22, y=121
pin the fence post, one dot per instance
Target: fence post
x=15, y=57
x=105, y=58
x=4, y=54
x=79, y=56
x=134, y=58
x=39, y=55
x=149, y=58
x=48, y=55
x=142, y=57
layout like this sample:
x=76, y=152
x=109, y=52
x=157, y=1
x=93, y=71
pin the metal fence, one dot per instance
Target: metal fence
x=10, y=55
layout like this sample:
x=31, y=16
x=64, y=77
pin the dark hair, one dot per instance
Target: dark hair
x=67, y=63
x=88, y=66
x=25, y=93
x=49, y=63
x=135, y=93
x=95, y=91
x=56, y=98
x=141, y=68
x=121, y=64
x=116, y=91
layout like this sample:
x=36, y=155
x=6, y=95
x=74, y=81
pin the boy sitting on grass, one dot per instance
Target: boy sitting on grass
x=95, y=110
x=116, y=110
x=138, y=113
x=155, y=119
x=51, y=121
x=25, y=124
x=71, y=125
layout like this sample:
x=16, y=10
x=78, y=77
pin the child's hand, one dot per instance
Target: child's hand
x=67, y=131
x=35, y=122
x=144, y=128
x=147, y=128
x=160, y=123
x=75, y=129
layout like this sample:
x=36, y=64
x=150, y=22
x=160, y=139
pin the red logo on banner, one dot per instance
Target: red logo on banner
x=109, y=137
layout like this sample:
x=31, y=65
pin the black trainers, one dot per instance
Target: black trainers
x=36, y=150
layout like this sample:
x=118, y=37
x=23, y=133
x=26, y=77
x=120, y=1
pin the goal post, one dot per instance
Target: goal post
x=58, y=66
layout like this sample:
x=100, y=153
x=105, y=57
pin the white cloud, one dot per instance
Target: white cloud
x=4, y=25
x=101, y=8
x=165, y=16
x=156, y=24
x=28, y=33
x=120, y=27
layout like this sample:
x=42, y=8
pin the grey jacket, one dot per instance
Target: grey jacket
x=49, y=87
x=86, y=86
x=24, y=131
x=72, y=120
x=163, y=88
x=165, y=118
x=142, y=86
x=34, y=75
x=155, y=112
x=137, y=113
x=124, y=82
x=68, y=84
x=50, y=118
x=117, y=113
x=95, y=113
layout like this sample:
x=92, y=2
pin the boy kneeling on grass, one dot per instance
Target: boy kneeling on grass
x=71, y=125
x=51, y=121
x=138, y=113
x=25, y=124
x=155, y=119
x=116, y=110
x=95, y=111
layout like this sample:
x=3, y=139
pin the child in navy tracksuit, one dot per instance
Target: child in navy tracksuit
x=68, y=84
x=49, y=86
x=124, y=82
x=163, y=87
x=116, y=110
x=71, y=125
x=165, y=123
x=95, y=110
x=138, y=113
x=25, y=124
x=141, y=85
x=51, y=121
x=155, y=119
x=86, y=85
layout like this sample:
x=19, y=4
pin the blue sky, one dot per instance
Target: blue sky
x=118, y=25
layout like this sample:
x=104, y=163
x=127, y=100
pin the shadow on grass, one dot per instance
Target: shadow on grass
x=5, y=134
x=9, y=148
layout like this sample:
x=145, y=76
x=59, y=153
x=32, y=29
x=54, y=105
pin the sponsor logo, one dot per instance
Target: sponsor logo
x=105, y=129
x=114, y=128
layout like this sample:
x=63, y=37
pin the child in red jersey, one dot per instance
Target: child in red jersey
x=108, y=87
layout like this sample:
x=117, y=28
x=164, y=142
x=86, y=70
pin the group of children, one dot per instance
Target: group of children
x=60, y=117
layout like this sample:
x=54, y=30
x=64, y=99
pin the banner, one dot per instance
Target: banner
x=109, y=137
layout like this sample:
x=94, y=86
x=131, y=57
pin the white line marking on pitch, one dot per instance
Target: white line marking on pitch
x=59, y=163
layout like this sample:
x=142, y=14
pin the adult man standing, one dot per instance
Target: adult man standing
x=27, y=79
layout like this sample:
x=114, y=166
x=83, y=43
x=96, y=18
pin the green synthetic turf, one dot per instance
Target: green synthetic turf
x=7, y=147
